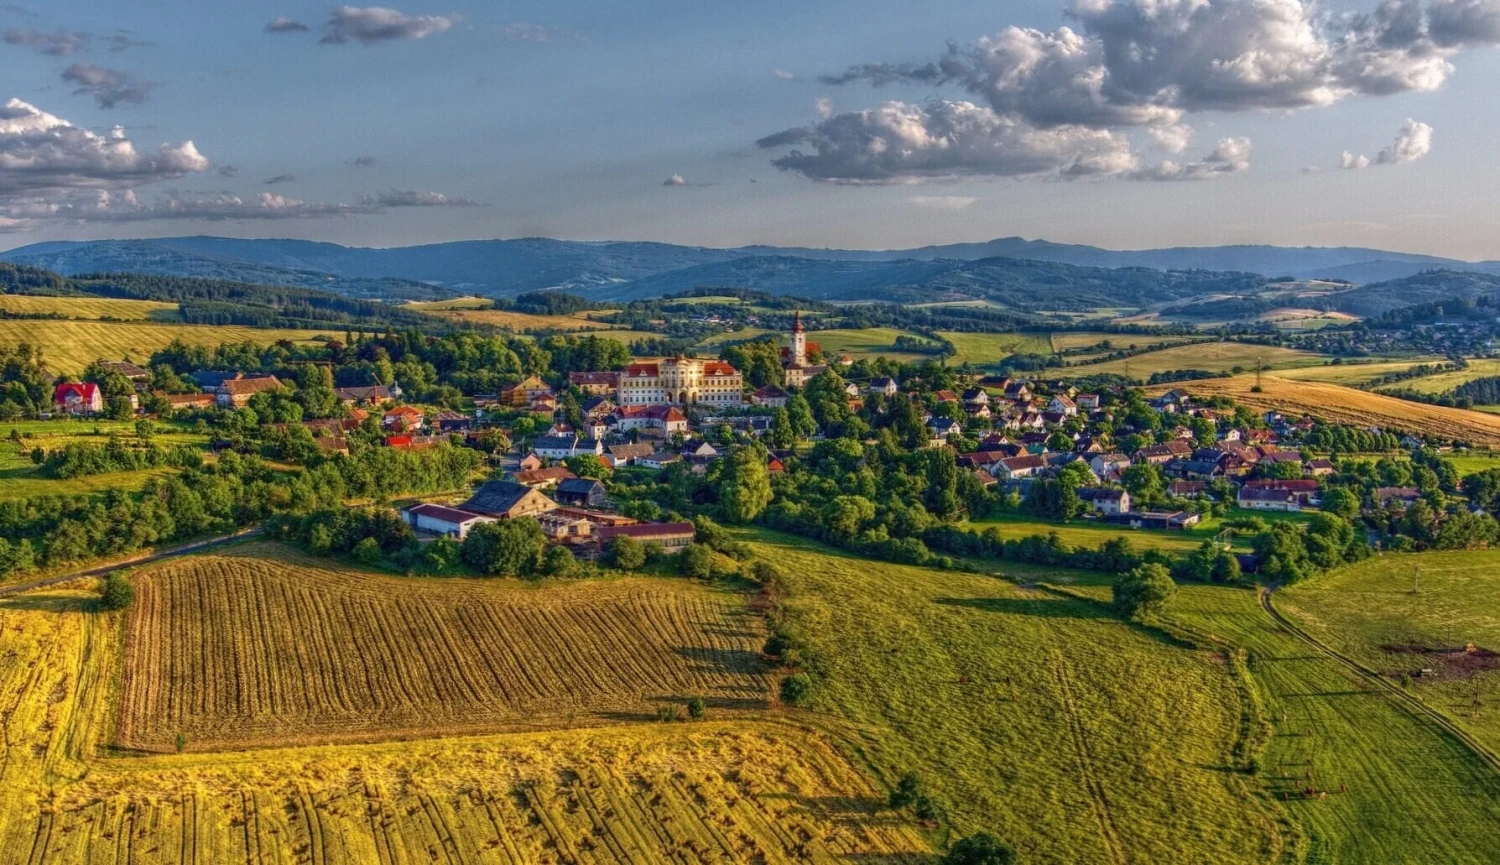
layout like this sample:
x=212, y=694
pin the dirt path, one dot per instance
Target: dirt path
x=1109, y=834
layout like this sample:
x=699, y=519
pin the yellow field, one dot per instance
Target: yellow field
x=715, y=791
x=1354, y=374
x=69, y=346
x=87, y=307
x=1209, y=356
x=267, y=646
x=983, y=349
x=1446, y=381
x=1347, y=405
x=463, y=310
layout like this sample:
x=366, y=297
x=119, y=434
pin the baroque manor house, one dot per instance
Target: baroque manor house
x=682, y=380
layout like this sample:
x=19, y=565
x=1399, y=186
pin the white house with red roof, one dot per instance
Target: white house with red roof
x=681, y=380
x=84, y=398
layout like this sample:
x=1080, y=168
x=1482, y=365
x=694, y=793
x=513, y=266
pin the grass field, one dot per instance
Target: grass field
x=742, y=335
x=21, y=478
x=1077, y=737
x=89, y=307
x=1084, y=533
x=867, y=343
x=1443, y=382
x=1347, y=405
x=715, y=791
x=1209, y=356
x=1064, y=340
x=1354, y=374
x=1399, y=790
x=522, y=320
x=1370, y=612
x=267, y=646
x=988, y=349
x=70, y=346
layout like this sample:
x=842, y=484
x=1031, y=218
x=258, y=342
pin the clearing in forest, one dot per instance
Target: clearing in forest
x=266, y=646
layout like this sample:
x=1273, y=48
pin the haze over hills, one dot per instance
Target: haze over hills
x=629, y=270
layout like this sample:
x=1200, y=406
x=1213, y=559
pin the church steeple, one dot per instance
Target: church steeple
x=797, y=322
x=799, y=343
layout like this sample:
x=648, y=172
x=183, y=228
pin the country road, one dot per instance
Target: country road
x=101, y=570
x=1410, y=701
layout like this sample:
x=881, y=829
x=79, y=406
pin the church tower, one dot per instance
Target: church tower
x=799, y=342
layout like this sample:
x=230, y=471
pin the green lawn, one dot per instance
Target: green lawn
x=1473, y=461
x=1092, y=533
x=21, y=478
x=1040, y=718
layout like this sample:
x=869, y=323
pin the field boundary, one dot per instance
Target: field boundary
x=1410, y=701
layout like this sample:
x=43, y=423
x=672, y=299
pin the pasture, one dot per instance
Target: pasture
x=1091, y=533
x=70, y=346
x=20, y=478
x=869, y=342
x=1353, y=374
x=265, y=646
x=1209, y=356
x=1370, y=612
x=1038, y=717
x=1347, y=405
x=1479, y=367
x=1065, y=340
x=517, y=321
x=92, y=308
x=988, y=349
x=730, y=791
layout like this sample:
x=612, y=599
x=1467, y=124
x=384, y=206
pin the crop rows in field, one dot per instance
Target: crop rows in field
x=88, y=307
x=70, y=346
x=263, y=646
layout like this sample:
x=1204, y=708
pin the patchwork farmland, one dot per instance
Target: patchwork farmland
x=266, y=646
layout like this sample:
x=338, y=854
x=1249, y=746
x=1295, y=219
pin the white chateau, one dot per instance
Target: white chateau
x=682, y=380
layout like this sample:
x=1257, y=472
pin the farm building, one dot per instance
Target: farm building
x=236, y=392
x=566, y=527
x=671, y=536
x=189, y=400
x=441, y=520
x=507, y=500
x=1155, y=519
x=1268, y=500
x=135, y=374
x=377, y=394
x=71, y=398
x=581, y=493
x=541, y=479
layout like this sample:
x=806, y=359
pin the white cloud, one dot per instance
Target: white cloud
x=39, y=151
x=59, y=43
x=1231, y=156
x=783, y=74
x=412, y=198
x=943, y=202
x=283, y=24
x=1413, y=141
x=1349, y=162
x=675, y=180
x=824, y=107
x=109, y=87
x=1172, y=139
x=371, y=24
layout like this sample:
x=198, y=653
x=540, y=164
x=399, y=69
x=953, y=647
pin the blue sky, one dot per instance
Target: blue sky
x=481, y=120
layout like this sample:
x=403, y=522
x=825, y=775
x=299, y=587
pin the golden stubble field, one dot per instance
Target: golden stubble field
x=731, y=789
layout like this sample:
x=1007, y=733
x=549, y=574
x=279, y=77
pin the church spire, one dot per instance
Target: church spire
x=797, y=322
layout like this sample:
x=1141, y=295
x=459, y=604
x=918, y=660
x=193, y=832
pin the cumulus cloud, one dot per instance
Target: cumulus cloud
x=43, y=152
x=280, y=178
x=1413, y=141
x=59, y=43
x=943, y=202
x=1172, y=139
x=1349, y=162
x=1231, y=156
x=121, y=40
x=901, y=142
x=371, y=24
x=824, y=107
x=411, y=198
x=783, y=74
x=528, y=32
x=283, y=24
x=104, y=206
x=109, y=87
x=675, y=180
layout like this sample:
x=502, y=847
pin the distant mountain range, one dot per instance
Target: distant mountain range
x=1005, y=270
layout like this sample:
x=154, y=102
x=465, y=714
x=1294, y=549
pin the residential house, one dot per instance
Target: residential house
x=976, y=396
x=411, y=442
x=1087, y=401
x=448, y=420
x=529, y=462
x=562, y=447
x=507, y=500
x=236, y=392
x=371, y=395
x=1165, y=452
x=659, y=460
x=542, y=478
x=595, y=383
x=667, y=418
x=946, y=396
x=1305, y=489
x=883, y=385
x=1268, y=500
x=942, y=428
x=1192, y=470
x=1384, y=496
x=442, y=520
x=623, y=455
x=598, y=408
x=699, y=448
x=1018, y=392
x=403, y=418
x=1319, y=468
x=1018, y=467
x=1187, y=489
x=1062, y=405
x=770, y=396
x=78, y=399
x=581, y=493
x=1109, y=465
x=1106, y=500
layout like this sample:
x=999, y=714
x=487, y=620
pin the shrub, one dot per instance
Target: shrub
x=696, y=561
x=696, y=708
x=626, y=553
x=907, y=790
x=558, y=561
x=117, y=593
x=668, y=713
x=796, y=689
x=367, y=552
x=1143, y=590
x=981, y=848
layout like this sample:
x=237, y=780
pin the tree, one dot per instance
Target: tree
x=800, y=413
x=1143, y=591
x=796, y=689
x=587, y=466
x=783, y=434
x=558, y=561
x=626, y=553
x=1341, y=502
x=696, y=561
x=117, y=593
x=846, y=515
x=1282, y=552
x=508, y=548
x=1145, y=482
x=1286, y=471
x=745, y=487
x=981, y=848
x=696, y=708
x=907, y=790
x=367, y=552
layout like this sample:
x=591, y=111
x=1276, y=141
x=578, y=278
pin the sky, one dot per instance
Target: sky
x=1126, y=124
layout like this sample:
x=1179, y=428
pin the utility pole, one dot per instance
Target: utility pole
x=1258, y=365
x=1416, y=580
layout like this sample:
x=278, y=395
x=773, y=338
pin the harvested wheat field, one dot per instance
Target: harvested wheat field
x=713, y=791
x=1347, y=405
x=265, y=646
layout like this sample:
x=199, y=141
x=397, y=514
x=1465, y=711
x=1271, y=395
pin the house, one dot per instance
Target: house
x=770, y=396
x=566, y=526
x=670, y=536
x=507, y=500
x=1165, y=452
x=986, y=459
x=976, y=396
x=1192, y=470
x=403, y=418
x=1106, y=500
x=1383, y=496
x=236, y=392
x=667, y=418
x=598, y=408
x=1108, y=465
x=699, y=449
x=181, y=401
x=851, y=389
x=375, y=394
x=411, y=443
x=1018, y=467
x=627, y=454
x=1062, y=405
x=562, y=447
x=540, y=479
x=1319, y=468
x=71, y=398
x=529, y=462
x=1268, y=500
x=581, y=493
x=659, y=460
x=1087, y=401
x=595, y=383
x=1187, y=489
x=137, y=376
x=1177, y=520
x=545, y=404
x=977, y=410
x=443, y=520
x=946, y=396
x=1305, y=489
x=525, y=392
x=942, y=428
x=884, y=386
x=1018, y=392
x=448, y=420
x=332, y=445
x=774, y=465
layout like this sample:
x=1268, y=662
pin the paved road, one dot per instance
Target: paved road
x=1412, y=702
x=169, y=552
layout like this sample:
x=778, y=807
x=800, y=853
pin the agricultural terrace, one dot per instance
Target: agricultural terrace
x=1336, y=404
x=728, y=791
x=1371, y=612
x=988, y=349
x=20, y=478
x=89, y=307
x=1209, y=356
x=265, y=645
x=1398, y=788
x=1043, y=719
x=70, y=346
